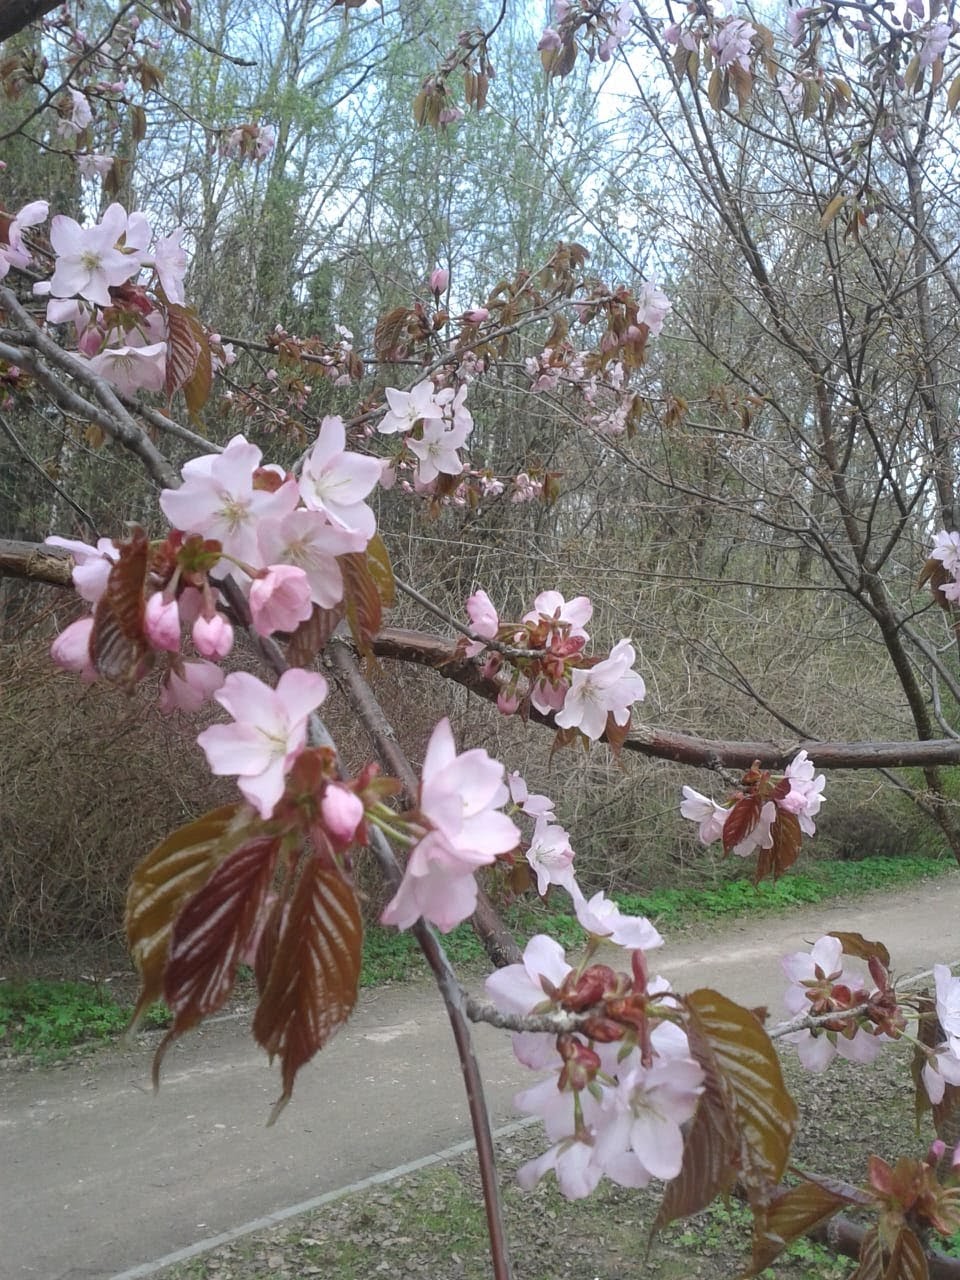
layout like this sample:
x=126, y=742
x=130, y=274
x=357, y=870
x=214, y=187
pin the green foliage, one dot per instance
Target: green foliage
x=392, y=957
x=46, y=1019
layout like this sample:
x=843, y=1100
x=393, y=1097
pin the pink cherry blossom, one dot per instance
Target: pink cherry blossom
x=88, y=260
x=336, y=481
x=15, y=253
x=710, y=815
x=407, y=408
x=609, y=687
x=946, y=549
x=460, y=797
x=806, y=969
x=732, y=43
x=161, y=622
x=653, y=306
x=133, y=369
x=935, y=41
x=602, y=916
x=79, y=117
x=308, y=540
x=760, y=836
x=280, y=600
x=519, y=988
x=218, y=499
x=476, y=315
x=188, y=685
x=535, y=806
x=342, y=812
x=641, y=1134
x=94, y=164
x=71, y=650
x=213, y=636
x=573, y=614
x=268, y=735
x=170, y=263
x=948, y=1004
x=551, y=857
x=483, y=619
x=92, y=565
x=804, y=797
x=437, y=450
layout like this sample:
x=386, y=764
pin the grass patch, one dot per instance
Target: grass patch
x=48, y=1019
x=393, y=956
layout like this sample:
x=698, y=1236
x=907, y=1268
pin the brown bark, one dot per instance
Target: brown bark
x=17, y=14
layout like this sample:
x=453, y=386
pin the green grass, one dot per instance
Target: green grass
x=47, y=1019
x=392, y=956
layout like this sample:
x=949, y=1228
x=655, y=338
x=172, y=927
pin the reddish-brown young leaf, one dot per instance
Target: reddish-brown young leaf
x=311, y=636
x=381, y=571
x=615, y=735
x=785, y=849
x=907, y=1259
x=361, y=600
x=183, y=350
x=710, y=1151
x=209, y=935
x=743, y=817
x=855, y=944
x=267, y=945
x=118, y=646
x=196, y=390
x=388, y=335
x=737, y=1048
x=164, y=880
x=792, y=1212
x=312, y=986
x=871, y=1257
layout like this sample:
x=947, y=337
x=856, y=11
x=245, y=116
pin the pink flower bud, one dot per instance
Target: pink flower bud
x=161, y=622
x=507, y=702
x=476, y=315
x=550, y=39
x=439, y=279
x=71, y=649
x=280, y=600
x=213, y=637
x=342, y=813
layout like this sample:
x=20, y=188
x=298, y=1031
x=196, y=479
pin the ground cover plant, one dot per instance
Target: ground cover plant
x=792, y=448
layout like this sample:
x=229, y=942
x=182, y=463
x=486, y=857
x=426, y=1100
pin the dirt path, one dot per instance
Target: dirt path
x=99, y=1177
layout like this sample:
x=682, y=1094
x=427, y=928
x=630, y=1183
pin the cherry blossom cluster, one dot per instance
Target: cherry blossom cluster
x=820, y=985
x=432, y=425
x=600, y=28
x=621, y=1088
x=858, y=1013
x=280, y=537
x=748, y=821
x=550, y=670
x=252, y=142
x=727, y=40
x=946, y=552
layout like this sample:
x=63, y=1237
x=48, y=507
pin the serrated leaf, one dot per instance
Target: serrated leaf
x=161, y=883
x=361, y=600
x=312, y=986
x=183, y=351
x=138, y=123
x=953, y=95
x=744, y=816
x=733, y=1042
x=196, y=390
x=790, y=1214
x=715, y=86
x=388, y=335
x=783, y=853
x=871, y=1258
x=855, y=944
x=831, y=211
x=381, y=571
x=210, y=933
x=118, y=646
x=710, y=1149
x=311, y=635
x=615, y=735
x=907, y=1259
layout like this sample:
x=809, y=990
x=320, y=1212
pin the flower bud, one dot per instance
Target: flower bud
x=439, y=279
x=161, y=623
x=212, y=637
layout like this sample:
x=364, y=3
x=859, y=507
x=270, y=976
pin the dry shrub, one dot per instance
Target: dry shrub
x=89, y=781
